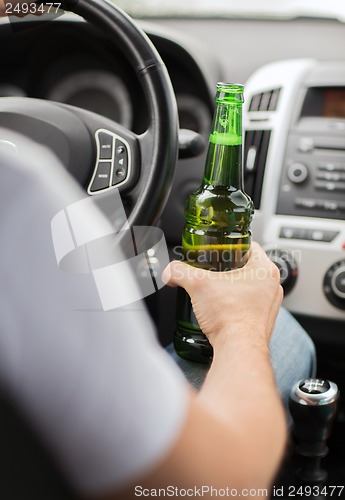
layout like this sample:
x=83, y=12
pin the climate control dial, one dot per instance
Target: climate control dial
x=334, y=284
x=287, y=268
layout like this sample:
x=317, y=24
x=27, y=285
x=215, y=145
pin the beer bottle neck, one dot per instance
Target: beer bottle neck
x=224, y=157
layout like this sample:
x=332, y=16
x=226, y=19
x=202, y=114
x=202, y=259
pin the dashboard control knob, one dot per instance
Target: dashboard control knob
x=334, y=284
x=297, y=173
x=287, y=267
x=338, y=282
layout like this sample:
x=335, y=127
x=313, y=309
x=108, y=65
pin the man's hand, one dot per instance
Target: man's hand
x=224, y=302
x=235, y=430
x=237, y=312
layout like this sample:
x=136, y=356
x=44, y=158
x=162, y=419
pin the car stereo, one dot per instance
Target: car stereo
x=313, y=177
x=294, y=160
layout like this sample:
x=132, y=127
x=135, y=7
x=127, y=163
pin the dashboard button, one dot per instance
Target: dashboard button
x=105, y=146
x=330, y=186
x=331, y=176
x=307, y=234
x=297, y=173
x=316, y=235
x=321, y=235
x=102, y=177
x=306, y=144
x=293, y=233
x=330, y=205
x=287, y=232
x=331, y=167
x=307, y=203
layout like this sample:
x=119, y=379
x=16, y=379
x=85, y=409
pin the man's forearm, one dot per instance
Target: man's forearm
x=240, y=391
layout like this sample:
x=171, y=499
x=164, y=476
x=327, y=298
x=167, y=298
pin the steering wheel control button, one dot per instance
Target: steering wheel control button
x=334, y=284
x=297, y=173
x=112, y=163
x=120, y=162
x=102, y=178
x=287, y=268
x=118, y=176
x=105, y=146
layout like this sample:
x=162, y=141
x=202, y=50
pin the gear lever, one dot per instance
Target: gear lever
x=313, y=404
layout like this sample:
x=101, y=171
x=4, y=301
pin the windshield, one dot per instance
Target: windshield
x=277, y=9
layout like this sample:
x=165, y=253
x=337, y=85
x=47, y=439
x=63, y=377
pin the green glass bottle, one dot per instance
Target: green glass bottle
x=218, y=214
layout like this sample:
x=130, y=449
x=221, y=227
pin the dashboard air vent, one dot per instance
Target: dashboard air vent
x=255, y=155
x=265, y=101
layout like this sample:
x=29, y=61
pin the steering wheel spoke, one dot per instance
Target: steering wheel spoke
x=117, y=155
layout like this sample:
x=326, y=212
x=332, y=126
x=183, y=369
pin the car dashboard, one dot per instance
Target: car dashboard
x=294, y=128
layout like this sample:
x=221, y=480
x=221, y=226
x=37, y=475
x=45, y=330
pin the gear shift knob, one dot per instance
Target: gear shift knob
x=313, y=405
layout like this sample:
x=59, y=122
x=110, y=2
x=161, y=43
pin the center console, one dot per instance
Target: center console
x=294, y=162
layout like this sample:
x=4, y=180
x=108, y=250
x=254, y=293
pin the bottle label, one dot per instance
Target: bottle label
x=217, y=257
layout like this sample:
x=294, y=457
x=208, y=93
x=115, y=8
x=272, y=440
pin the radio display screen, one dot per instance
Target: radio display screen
x=327, y=102
x=334, y=103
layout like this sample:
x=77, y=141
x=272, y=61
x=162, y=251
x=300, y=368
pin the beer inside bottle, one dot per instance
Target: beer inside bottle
x=218, y=214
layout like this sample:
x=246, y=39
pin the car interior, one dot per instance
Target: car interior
x=97, y=68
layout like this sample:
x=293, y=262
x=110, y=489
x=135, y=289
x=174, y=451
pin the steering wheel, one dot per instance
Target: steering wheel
x=102, y=154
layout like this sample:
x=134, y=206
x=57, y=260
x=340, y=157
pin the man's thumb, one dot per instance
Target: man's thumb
x=177, y=273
